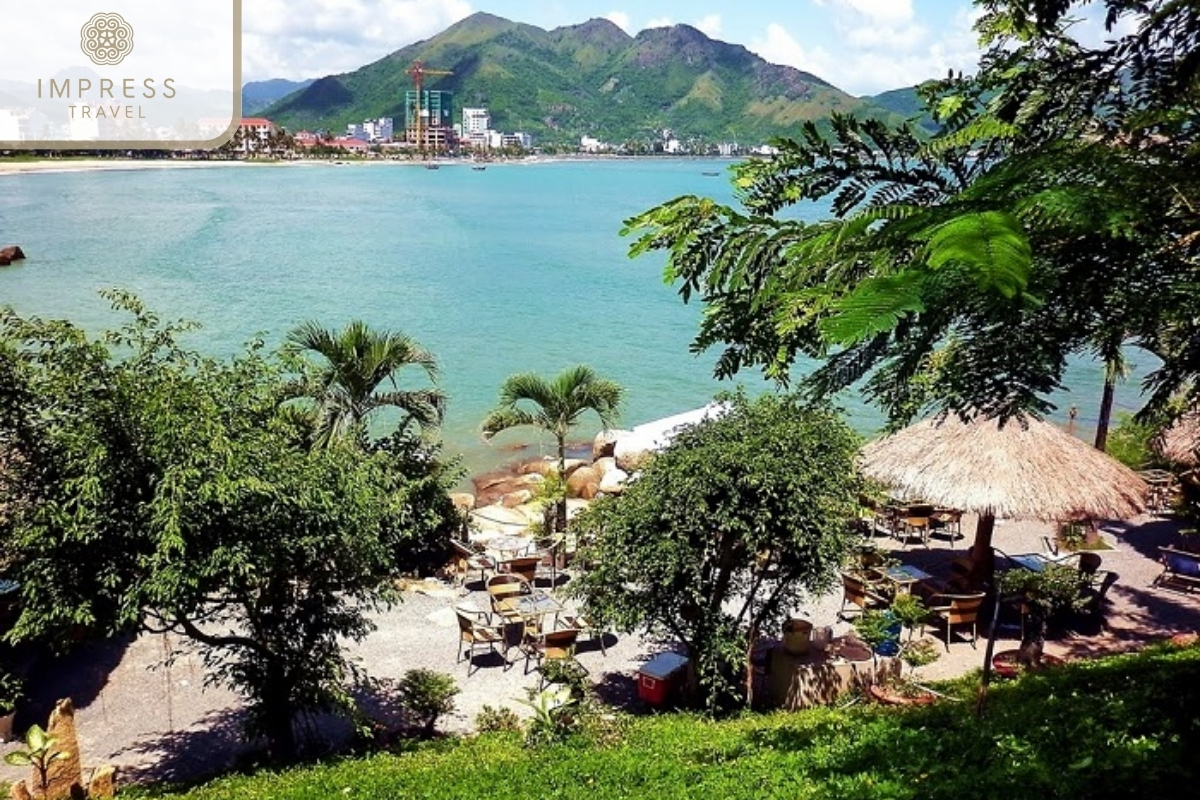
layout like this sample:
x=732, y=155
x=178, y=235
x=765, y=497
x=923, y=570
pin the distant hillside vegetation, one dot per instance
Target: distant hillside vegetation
x=906, y=103
x=591, y=79
x=257, y=95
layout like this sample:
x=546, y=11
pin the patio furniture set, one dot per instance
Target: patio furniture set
x=520, y=615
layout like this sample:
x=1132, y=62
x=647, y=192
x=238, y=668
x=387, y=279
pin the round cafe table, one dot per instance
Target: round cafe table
x=509, y=547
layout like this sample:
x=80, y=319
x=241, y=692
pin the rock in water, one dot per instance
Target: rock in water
x=11, y=254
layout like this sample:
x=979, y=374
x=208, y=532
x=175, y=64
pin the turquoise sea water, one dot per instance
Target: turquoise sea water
x=519, y=267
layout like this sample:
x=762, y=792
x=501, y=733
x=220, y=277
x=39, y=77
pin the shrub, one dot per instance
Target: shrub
x=492, y=719
x=427, y=695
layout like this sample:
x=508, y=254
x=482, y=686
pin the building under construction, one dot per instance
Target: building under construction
x=436, y=125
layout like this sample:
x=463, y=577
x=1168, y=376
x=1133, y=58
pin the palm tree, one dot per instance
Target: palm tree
x=356, y=361
x=554, y=406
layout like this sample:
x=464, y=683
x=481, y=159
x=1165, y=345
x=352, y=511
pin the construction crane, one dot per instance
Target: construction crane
x=418, y=72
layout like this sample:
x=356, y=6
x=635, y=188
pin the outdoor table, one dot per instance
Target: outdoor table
x=533, y=606
x=508, y=547
x=905, y=575
x=1034, y=562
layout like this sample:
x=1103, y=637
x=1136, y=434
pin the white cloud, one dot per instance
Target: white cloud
x=621, y=20
x=884, y=12
x=660, y=22
x=312, y=38
x=780, y=47
x=876, y=59
x=710, y=24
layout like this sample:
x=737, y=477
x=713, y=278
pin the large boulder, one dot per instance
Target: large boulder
x=605, y=441
x=580, y=478
x=614, y=481
x=517, y=498
x=633, y=451
x=13, y=253
x=605, y=465
x=549, y=465
x=4, y=262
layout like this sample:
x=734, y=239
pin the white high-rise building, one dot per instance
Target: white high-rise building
x=475, y=120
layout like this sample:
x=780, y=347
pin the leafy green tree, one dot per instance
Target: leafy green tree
x=555, y=406
x=353, y=364
x=1051, y=214
x=148, y=486
x=723, y=533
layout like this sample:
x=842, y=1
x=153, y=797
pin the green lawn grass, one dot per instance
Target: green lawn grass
x=1127, y=726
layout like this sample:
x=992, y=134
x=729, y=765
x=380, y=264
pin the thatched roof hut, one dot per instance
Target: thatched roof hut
x=1180, y=441
x=1026, y=469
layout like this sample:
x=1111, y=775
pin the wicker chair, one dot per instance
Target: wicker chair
x=468, y=559
x=474, y=632
x=557, y=645
x=857, y=592
x=957, y=609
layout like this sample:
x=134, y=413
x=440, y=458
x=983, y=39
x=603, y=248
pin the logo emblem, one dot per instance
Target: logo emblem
x=106, y=39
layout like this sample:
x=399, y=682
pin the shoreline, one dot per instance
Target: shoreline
x=70, y=164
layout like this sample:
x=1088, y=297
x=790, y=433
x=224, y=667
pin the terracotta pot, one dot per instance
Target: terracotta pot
x=890, y=697
x=1006, y=663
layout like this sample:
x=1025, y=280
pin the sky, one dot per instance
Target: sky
x=861, y=46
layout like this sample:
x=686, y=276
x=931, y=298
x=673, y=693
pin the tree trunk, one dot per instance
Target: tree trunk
x=560, y=515
x=277, y=719
x=1106, y=406
x=982, y=566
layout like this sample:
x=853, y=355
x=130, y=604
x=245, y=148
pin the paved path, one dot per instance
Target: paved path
x=163, y=722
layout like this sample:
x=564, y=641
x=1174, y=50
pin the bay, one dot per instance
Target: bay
x=513, y=268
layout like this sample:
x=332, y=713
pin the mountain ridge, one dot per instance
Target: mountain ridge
x=586, y=79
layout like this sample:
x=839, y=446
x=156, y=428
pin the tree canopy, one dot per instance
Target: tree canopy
x=1053, y=213
x=147, y=486
x=723, y=533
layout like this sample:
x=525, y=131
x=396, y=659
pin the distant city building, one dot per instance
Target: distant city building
x=437, y=123
x=476, y=127
x=356, y=131
x=475, y=120
x=256, y=133
x=518, y=139
x=672, y=146
x=351, y=144
x=590, y=144
x=728, y=148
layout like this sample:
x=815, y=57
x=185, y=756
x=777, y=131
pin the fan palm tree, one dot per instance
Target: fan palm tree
x=554, y=406
x=354, y=363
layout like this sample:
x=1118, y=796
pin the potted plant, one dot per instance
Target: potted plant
x=899, y=691
x=1041, y=596
x=879, y=629
x=10, y=693
x=910, y=611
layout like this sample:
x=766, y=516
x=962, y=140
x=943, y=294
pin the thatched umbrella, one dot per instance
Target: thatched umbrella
x=1179, y=443
x=1024, y=468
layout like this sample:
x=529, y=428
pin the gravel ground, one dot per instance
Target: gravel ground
x=161, y=722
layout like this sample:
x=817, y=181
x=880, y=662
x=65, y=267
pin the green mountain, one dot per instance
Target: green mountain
x=590, y=79
x=257, y=95
x=906, y=103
